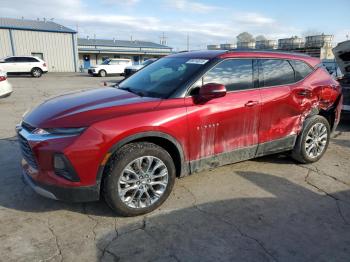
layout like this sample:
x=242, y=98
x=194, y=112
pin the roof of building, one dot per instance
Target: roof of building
x=33, y=25
x=120, y=43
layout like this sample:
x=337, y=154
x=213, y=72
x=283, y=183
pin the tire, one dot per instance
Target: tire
x=36, y=72
x=102, y=73
x=131, y=203
x=301, y=151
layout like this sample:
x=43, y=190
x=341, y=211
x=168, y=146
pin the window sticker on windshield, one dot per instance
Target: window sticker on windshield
x=197, y=61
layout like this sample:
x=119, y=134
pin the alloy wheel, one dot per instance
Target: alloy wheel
x=143, y=181
x=316, y=140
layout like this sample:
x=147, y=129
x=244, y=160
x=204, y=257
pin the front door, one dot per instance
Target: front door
x=225, y=130
x=10, y=65
x=86, y=61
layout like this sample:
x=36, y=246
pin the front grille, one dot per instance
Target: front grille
x=27, y=151
x=90, y=71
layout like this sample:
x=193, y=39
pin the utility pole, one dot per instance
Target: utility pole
x=188, y=42
x=163, y=39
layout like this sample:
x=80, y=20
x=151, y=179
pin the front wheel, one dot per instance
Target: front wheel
x=140, y=180
x=313, y=141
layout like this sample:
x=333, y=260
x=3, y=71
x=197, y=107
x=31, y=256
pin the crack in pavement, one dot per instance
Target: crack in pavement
x=104, y=250
x=59, y=252
x=91, y=218
x=171, y=253
x=243, y=234
x=337, y=200
x=320, y=172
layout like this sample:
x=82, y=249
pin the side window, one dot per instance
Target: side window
x=32, y=60
x=235, y=74
x=10, y=60
x=22, y=59
x=301, y=69
x=274, y=72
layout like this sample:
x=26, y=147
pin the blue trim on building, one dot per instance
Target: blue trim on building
x=12, y=43
x=93, y=50
x=38, y=30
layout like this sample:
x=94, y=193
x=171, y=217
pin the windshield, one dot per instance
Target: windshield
x=106, y=62
x=163, y=77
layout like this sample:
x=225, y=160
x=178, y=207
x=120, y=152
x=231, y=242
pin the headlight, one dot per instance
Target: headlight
x=59, y=131
x=39, y=131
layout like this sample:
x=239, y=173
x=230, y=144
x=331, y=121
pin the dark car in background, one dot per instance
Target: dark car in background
x=130, y=70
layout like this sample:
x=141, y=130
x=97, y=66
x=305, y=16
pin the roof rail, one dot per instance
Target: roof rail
x=267, y=51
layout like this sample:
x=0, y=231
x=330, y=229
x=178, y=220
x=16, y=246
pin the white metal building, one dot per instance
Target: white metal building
x=54, y=43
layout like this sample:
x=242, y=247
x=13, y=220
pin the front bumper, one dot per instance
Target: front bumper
x=73, y=194
x=39, y=172
x=92, y=72
x=5, y=89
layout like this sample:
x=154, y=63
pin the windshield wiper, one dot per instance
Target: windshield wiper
x=139, y=93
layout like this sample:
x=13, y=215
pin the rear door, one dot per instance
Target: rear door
x=23, y=64
x=280, y=112
x=225, y=130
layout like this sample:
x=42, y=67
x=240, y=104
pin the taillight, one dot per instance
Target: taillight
x=44, y=64
x=3, y=78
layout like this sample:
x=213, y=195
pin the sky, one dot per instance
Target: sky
x=205, y=22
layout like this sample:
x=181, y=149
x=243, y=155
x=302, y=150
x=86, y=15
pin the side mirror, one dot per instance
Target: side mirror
x=210, y=91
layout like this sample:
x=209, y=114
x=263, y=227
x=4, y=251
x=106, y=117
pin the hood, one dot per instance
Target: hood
x=134, y=67
x=342, y=56
x=83, y=108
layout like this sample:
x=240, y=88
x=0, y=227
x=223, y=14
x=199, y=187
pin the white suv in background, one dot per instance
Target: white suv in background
x=110, y=66
x=5, y=86
x=24, y=65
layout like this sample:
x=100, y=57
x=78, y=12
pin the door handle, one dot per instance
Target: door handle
x=251, y=103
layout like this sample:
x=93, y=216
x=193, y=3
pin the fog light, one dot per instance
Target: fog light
x=63, y=168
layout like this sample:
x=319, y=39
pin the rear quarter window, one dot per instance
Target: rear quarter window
x=301, y=69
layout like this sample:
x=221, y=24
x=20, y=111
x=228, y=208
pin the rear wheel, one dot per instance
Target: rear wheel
x=36, y=72
x=140, y=180
x=102, y=73
x=313, y=141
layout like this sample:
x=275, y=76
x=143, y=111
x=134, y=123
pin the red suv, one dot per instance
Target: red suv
x=183, y=113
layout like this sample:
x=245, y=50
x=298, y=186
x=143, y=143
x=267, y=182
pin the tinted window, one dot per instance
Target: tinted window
x=32, y=59
x=26, y=60
x=274, y=72
x=22, y=59
x=235, y=74
x=10, y=60
x=301, y=69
